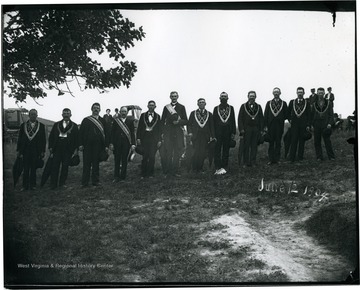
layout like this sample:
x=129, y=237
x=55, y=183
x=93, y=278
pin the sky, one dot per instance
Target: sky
x=201, y=53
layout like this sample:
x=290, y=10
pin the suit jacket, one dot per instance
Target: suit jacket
x=38, y=142
x=71, y=131
x=269, y=116
x=118, y=135
x=147, y=129
x=219, y=124
x=194, y=127
x=245, y=120
x=330, y=97
x=90, y=133
x=304, y=119
x=171, y=131
x=323, y=115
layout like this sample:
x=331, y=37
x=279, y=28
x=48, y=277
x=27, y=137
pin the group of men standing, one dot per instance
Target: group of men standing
x=208, y=132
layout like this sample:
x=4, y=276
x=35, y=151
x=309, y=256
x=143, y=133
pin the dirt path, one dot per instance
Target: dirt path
x=281, y=247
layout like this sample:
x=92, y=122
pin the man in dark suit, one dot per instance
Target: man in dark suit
x=225, y=130
x=122, y=140
x=330, y=96
x=322, y=121
x=63, y=144
x=251, y=123
x=312, y=98
x=173, y=120
x=149, y=138
x=31, y=147
x=93, y=140
x=108, y=120
x=201, y=130
x=274, y=118
x=299, y=114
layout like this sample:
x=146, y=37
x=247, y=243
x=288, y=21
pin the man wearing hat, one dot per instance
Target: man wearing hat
x=322, y=121
x=312, y=98
x=201, y=131
x=122, y=142
x=149, y=138
x=31, y=146
x=274, y=118
x=251, y=123
x=173, y=120
x=225, y=130
x=63, y=144
x=299, y=114
x=93, y=141
x=330, y=96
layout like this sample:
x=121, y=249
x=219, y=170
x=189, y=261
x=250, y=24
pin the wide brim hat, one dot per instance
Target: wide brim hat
x=103, y=156
x=75, y=160
x=139, y=149
x=307, y=135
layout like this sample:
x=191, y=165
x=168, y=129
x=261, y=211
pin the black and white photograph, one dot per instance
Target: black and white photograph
x=179, y=144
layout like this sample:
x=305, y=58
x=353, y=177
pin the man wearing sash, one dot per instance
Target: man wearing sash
x=225, y=130
x=274, y=119
x=149, y=138
x=93, y=140
x=250, y=122
x=201, y=131
x=31, y=147
x=63, y=144
x=173, y=120
x=122, y=140
x=299, y=114
x=322, y=121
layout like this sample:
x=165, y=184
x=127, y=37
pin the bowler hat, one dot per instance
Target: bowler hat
x=307, y=135
x=103, y=156
x=75, y=160
x=139, y=149
x=232, y=143
x=326, y=132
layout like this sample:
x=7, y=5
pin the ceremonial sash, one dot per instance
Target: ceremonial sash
x=124, y=128
x=98, y=125
x=171, y=110
x=65, y=133
x=303, y=110
x=278, y=112
x=252, y=116
x=37, y=126
x=227, y=117
x=322, y=113
x=150, y=128
x=202, y=125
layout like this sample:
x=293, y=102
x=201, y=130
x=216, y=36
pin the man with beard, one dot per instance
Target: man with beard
x=149, y=138
x=322, y=121
x=201, y=131
x=173, y=119
x=63, y=144
x=122, y=140
x=93, y=140
x=250, y=122
x=225, y=130
x=31, y=147
x=274, y=119
x=299, y=114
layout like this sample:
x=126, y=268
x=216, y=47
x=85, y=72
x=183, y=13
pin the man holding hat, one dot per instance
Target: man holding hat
x=122, y=140
x=322, y=121
x=299, y=114
x=274, y=118
x=31, y=147
x=173, y=120
x=201, y=131
x=63, y=144
x=250, y=122
x=149, y=139
x=225, y=130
